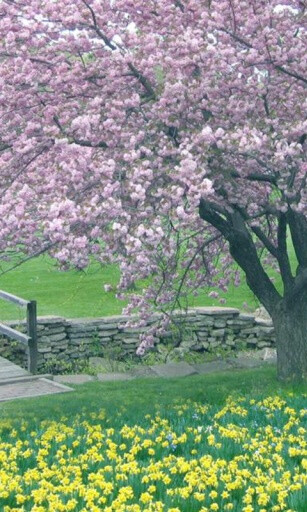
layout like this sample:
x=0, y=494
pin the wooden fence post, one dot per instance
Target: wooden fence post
x=32, y=333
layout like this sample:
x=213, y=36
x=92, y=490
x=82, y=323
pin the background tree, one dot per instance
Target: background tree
x=167, y=136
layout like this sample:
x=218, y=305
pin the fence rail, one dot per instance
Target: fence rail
x=13, y=298
x=29, y=339
x=12, y=333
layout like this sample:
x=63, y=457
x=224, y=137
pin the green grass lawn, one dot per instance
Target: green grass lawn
x=69, y=294
x=139, y=396
x=74, y=293
x=229, y=441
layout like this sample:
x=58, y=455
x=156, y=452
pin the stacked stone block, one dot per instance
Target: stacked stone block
x=52, y=339
x=204, y=329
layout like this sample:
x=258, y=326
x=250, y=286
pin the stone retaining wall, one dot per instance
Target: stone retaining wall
x=205, y=329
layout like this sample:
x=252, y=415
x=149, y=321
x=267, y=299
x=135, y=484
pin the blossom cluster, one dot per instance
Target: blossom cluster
x=120, y=119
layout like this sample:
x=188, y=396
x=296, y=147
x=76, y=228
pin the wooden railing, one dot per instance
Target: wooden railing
x=29, y=339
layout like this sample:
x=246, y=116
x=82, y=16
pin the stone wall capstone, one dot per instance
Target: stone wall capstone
x=205, y=329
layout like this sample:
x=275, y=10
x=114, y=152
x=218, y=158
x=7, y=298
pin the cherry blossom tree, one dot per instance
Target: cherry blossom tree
x=167, y=136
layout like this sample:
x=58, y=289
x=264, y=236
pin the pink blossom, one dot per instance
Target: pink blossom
x=156, y=138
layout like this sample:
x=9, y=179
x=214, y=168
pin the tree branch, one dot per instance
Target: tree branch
x=213, y=238
x=242, y=41
x=89, y=144
x=243, y=251
x=236, y=37
x=264, y=239
x=143, y=80
x=180, y=5
x=255, y=177
x=282, y=256
x=19, y=173
x=207, y=213
x=4, y=146
x=290, y=73
x=38, y=253
x=299, y=286
x=105, y=39
x=298, y=227
x=79, y=142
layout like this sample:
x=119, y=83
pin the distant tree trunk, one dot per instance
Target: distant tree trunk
x=290, y=324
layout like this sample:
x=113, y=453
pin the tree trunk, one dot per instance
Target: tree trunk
x=288, y=312
x=290, y=323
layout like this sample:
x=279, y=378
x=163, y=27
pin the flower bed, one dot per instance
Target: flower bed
x=249, y=456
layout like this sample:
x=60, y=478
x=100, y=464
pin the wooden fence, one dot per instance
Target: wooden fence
x=29, y=339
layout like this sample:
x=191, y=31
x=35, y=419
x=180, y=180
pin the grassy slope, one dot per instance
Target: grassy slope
x=68, y=294
x=81, y=294
x=126, y=404
x=140, y=397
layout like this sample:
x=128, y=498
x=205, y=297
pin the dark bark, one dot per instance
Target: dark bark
x=243, y=251
x=289, y=313
x=290, y=324
x=298, y=228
